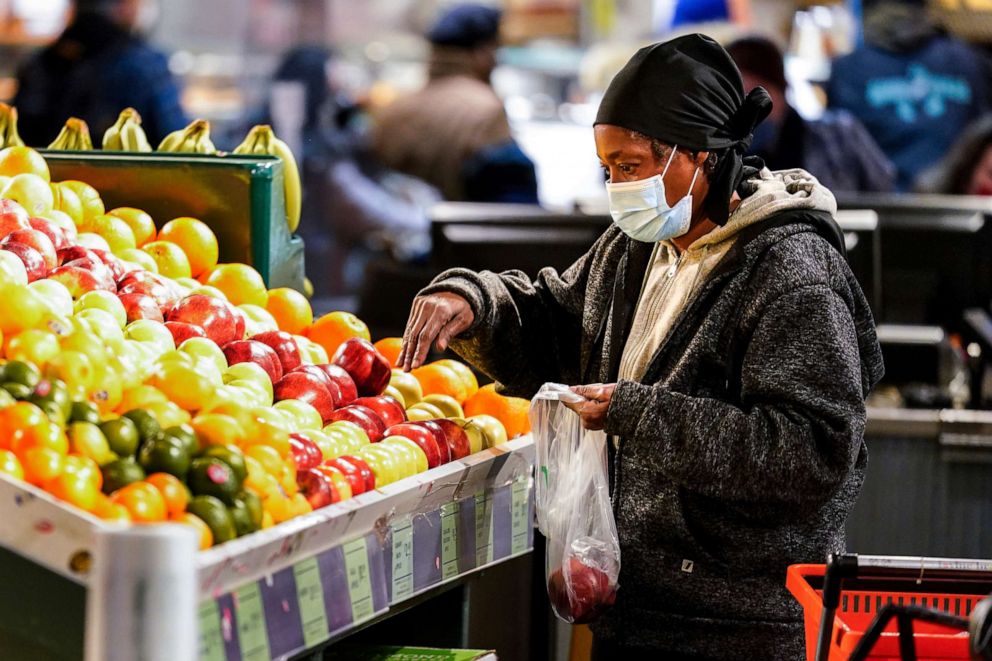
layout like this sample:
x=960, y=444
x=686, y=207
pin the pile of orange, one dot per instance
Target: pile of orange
x=335, y=328
x=511, y=411
x=447, y=377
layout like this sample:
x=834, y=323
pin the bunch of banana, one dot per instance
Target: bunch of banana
x=194, y=139
x=126, y=134
x=8, y=127
x=261, y=140
x=74, y=136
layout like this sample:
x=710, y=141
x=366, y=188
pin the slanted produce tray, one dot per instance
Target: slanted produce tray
x=240, y=197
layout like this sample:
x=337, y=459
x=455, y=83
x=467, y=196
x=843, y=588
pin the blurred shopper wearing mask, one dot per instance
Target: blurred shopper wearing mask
x=733, y=350
x=454, y=133
x=912, y=86
x=96, y=68
x=836, y=148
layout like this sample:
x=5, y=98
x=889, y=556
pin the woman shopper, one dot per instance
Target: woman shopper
x=729, y=348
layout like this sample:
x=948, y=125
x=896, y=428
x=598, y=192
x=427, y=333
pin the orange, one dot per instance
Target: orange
x=117, y=233
x=41, y=465
x=196, y=239
x=171, y=260
x=23, y=160
x=440, y=379
x=108, y=510
x=192, y=520
x=464, y=372
x=290, y=309
x=78, y=489
x=334, y=328
x=173, y=491
x=24, y=425
x=217, y=429
x=67, y=201
x=511, y=411
x=90, y=199
x=390, y=347
x=145, y=503
x=239, y=282
x=140, y=223
x=139, y=257
x=11, y=465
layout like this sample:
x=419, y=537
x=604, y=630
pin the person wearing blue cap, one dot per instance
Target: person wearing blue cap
x=454, y=133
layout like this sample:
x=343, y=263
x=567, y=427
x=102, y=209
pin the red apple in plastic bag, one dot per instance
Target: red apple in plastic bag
x=581, y=593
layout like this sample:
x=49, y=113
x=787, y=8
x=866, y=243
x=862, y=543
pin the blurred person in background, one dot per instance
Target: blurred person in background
x=912, y=86
x=97, y=67
x=967, y=168
x=836, y=149
x=353, y=208
x=454, y=133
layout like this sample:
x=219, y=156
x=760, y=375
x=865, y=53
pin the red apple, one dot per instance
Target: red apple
x=73, y=252
x=115, y=265
x=353, y=466
x=240, y=321
x=364, y=417
x=456, y=437
x=33, y=261
x=368, y=368
x=285, y=347
x=37, y=240
x=12, y=217
x=317, y=373
x=306, y=388
x=349, y=392
x=389, y=409
x=140, y=306
x=244, y=351
x=54, y=233
x=305, y=452
x=213, y=315
x=582, y=593
x=439, y=437
x=182, y=331
x=317, y=488
x=99, y=270
x=422, y=437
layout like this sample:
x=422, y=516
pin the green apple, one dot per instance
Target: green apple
x=329, y=447
x=208, y=290
x=395, y=394
x=419, y=458
x=408, y=385
x=55, y=294
x=151, y=332
x=383, y=462
x=492, y=428
x=349, y=433
x=188, y=283
x=475, y=433
x=103, y=324
x=304, y=415
x=448, y=405
x=228, y=394
x=424, y=411
x=203, y=347
x=261, y=318
x=103, y=300
x=253, y=391
x=249, y=371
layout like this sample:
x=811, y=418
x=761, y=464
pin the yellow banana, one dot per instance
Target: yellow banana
x=194, y=139
x=261, y=140
x=126, y=134
x=8, y=127
x=75, y=136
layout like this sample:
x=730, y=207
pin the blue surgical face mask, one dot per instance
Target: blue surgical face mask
x=640, y=208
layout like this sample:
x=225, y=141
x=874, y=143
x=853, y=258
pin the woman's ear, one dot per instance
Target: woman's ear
x=700, y=158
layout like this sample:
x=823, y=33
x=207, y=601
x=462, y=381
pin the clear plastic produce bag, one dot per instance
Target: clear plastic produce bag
x=573, y=508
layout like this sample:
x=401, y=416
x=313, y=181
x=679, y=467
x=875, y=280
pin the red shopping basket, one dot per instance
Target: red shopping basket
x=841, y=600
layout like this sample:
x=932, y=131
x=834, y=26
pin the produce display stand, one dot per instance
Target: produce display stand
x=278, y=593
x=222, y=191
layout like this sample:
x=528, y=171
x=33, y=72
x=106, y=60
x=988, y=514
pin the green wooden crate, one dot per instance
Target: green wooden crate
x=239, y=197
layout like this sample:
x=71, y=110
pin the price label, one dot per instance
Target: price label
x=519, y=519
x=449, y=540
x=211, y=638
x=252, y=633
x=356, y=562
x=310, y=594
x=402, y=559
x=483, y=529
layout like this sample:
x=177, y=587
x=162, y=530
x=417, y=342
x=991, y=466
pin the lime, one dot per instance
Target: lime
x=17, y=390
x=122, y=436
x=120, y=473
x=209, y=476
x=84, y=411
x=230, y=455
x=186, y=435
x=254, y=504
x=164, y=455
x=148, y=427
x=243, y=524
x=215, y=515
x=18, y=371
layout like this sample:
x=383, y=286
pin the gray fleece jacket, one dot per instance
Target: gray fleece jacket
x=741, y=448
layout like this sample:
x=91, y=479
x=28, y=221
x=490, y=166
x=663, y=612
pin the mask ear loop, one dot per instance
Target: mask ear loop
x=670, y=158
x=692, y=184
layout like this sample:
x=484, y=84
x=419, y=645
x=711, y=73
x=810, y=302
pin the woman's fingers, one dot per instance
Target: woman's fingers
x=459, y=323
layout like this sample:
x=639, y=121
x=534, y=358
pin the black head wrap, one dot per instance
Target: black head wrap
x=688, y=92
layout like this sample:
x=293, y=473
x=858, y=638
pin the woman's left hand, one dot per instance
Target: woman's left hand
x=597, y=403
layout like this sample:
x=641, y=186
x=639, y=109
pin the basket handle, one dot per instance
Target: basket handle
x=839, y=567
